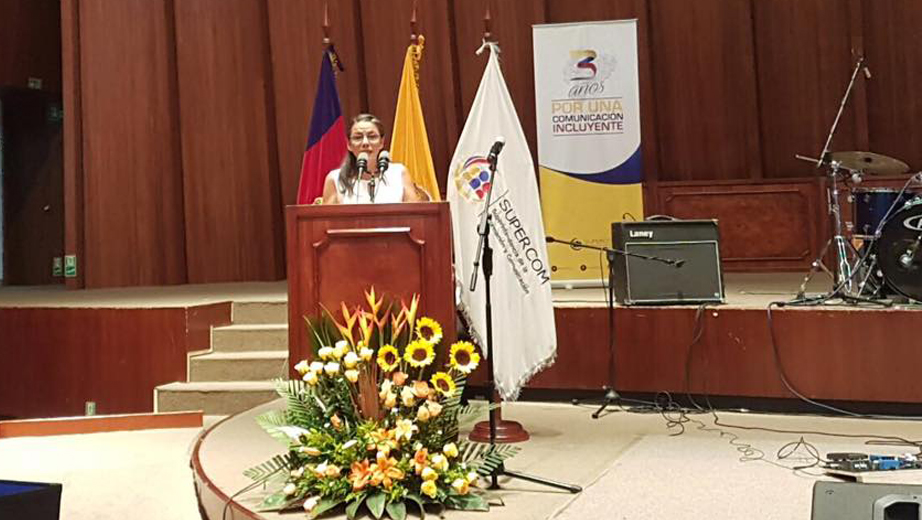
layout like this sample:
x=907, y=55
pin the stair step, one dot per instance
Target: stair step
x=250, y=337
x=214, y=398
x=238, y=366
x=249, y=313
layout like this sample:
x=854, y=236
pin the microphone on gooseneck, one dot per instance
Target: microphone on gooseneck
x=496, y=148
x=384, y=161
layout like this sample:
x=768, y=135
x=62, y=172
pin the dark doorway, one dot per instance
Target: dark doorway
x=33, y=185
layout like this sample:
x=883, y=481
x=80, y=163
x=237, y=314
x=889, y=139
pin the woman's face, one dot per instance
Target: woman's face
x=365, y=137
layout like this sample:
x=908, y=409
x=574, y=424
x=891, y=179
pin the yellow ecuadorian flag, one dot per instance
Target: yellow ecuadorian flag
x=410, y=144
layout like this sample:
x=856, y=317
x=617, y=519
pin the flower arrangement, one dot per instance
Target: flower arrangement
x=372, y=421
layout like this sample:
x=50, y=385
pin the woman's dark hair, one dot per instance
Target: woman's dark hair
x=349, y=172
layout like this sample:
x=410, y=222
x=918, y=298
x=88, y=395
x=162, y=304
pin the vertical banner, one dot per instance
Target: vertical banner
x=588, y=116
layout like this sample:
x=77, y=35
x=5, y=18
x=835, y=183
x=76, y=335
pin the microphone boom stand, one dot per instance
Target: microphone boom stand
x=485, y=252
x=611, y=395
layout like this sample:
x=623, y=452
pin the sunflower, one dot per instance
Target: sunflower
x=429, y=330
x=388, y=358
x=463, y=357
x=419, y=353
x=443, y=383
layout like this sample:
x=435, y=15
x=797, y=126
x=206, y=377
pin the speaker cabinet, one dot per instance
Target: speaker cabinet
x=859, y=501
x=695, y=243
x=32, y=500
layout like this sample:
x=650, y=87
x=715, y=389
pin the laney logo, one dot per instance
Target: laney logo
x=913, y=223
x=641, y=234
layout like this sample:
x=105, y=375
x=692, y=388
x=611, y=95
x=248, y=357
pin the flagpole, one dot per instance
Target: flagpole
x=484, y=257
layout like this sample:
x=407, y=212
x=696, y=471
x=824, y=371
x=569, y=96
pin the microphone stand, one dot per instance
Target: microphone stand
x=611, y=395
x=485, y=252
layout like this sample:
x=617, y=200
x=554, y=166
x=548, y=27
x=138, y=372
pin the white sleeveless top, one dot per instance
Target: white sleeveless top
x=388, y=188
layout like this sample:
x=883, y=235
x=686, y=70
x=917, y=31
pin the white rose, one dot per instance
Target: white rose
x=290, y=489
x=325, y=352
x=317, y=366
x=311, y=503
x=310, y=378
x=366, y=354
x=302, y=367
x=331, y=368
x=351, y=360
x=352, y=375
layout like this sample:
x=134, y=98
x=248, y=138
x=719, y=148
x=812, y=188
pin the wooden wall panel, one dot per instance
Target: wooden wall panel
x=705, y=87
x=116, y=360
x=804, y=63
x=30, y=43
x=74, y=228
x=892, y=31
x=385, y=46
x=296, y=37
x=229, y=156
x=762, y=226
x=132, y=183
x=511, y=27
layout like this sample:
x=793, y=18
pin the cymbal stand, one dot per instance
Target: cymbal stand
x=843, y=276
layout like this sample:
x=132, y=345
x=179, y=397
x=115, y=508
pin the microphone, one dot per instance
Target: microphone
x=549, y=239
x=496, y=148
x=384, y=160
x=361, y=162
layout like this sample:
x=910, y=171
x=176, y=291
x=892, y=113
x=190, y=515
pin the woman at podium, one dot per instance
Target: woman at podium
x=367, y=176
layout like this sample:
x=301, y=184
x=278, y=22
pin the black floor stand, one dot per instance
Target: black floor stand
x=485, y=253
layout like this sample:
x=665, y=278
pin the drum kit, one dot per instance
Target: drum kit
x=882, y=261
x=887, y=223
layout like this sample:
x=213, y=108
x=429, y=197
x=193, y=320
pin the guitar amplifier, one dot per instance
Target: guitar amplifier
x=695, y=243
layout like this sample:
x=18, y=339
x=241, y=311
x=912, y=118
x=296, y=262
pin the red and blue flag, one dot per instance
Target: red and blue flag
x=326, y=141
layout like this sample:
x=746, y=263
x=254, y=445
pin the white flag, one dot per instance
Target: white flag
x=524, y=335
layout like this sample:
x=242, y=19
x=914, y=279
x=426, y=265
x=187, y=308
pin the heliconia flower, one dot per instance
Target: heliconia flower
x=331, y=368
x=419, y=353
x=429, y=330
x=302, y=367
x=311, y=503
x=434, y=408
x=429, y=488
x=325, y=353
x=422, y=414
x=407, y=397
x=461, y=486
x=373, y=303
x=410, y=312
x=351, y=359
x=290, y=489
x=443, y=383
x=366, y=354
x=349, y=322
x=450, y=450
x=463, y=357
x=310, y=378
x=352, y=375
x=398, y=321
x=317, y=366
x=429, y=474
x=439, y=462
x=366, y=325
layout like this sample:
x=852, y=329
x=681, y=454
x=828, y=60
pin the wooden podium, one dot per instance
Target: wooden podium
x=337, y=252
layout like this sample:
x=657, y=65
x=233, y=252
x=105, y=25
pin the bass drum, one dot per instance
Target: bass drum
x=899, y=253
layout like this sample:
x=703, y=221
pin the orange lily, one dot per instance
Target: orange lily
x=385, y=471
x=361, y=474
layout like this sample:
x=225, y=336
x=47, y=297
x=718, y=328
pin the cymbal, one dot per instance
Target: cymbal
x=869, y=162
